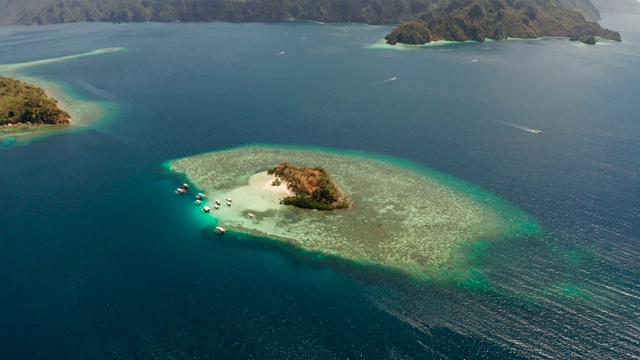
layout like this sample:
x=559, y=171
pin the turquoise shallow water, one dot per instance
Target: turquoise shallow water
x=100, y=259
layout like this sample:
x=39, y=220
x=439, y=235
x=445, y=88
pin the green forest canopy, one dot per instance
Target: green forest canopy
x=25, y=103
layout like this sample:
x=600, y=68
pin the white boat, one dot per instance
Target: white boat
x=251, y=215
x=228, y=200
x=220, y=230
x=198, y=202
x=216, y=206
x=200, y=196
x=206, y=209
x=217, y=202
x=180, y=191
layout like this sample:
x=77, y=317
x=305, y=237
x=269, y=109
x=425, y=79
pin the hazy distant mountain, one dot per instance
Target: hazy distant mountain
x=428, y=19
x=62, y=11
x=365, y=11
x=619, y=6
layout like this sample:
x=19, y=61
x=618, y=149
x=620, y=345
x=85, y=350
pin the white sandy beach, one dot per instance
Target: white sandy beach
x=257, y=196
x=265, y=182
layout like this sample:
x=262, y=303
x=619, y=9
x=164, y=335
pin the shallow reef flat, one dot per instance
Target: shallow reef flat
x=406, y=218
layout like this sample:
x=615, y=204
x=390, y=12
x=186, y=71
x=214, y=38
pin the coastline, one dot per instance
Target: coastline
x=51, y=90
x=382, y=44
x=83, y=112
x=265, y=183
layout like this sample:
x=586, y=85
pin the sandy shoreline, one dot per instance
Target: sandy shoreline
x=265, y=183
x=82, y=112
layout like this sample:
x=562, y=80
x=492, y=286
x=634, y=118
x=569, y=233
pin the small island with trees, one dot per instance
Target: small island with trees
x=312, y=188
x=477, y=20
x=25, y=104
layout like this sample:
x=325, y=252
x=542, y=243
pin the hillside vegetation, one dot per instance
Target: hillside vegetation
x=31, y=12
x=461, y=20
x=313, y=188
x=26, y=104
x=423, y=20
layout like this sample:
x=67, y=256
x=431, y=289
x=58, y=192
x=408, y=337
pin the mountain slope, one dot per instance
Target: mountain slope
x=62, y=11
x=461, y=20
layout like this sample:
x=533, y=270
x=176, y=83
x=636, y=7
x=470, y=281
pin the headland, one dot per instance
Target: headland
x=51, y=106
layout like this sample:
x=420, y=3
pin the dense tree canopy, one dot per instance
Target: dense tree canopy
x=313, y=188
x=62, y=11
x=22, y=103
x=460, y=20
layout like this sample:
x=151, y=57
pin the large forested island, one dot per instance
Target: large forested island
x=37, y=12
x=477, y=20
x=26, y=104
x=423, y=21
x=313, y=188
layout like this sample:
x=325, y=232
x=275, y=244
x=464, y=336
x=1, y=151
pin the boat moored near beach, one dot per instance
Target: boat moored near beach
x=180, y=191
x=220, y=230
x=206, y=209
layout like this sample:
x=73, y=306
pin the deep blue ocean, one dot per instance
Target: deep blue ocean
x=100, y=260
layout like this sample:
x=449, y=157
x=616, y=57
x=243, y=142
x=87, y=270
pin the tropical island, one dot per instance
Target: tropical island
x=477, y=20
x=23, y=104
x=313, y=188
x=409, y=219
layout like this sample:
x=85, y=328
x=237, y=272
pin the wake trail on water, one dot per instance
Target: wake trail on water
x=386, y=81
x=515, y=126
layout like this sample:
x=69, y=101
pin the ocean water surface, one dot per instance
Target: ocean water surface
x=100, y=259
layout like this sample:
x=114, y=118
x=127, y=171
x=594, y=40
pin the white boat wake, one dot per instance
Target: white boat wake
x=386, y=81
x=534, y=131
